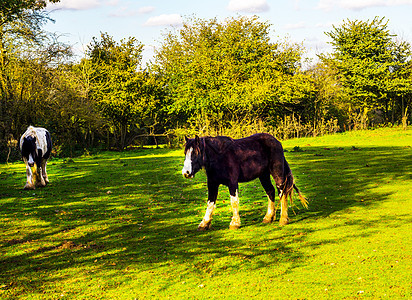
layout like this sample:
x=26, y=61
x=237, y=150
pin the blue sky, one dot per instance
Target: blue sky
x=302, y=21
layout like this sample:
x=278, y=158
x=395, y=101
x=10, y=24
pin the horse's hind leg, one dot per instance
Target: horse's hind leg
x=44, y=171
x=271, y=193
x=234, y=201
x=284, y=219
x=284, y=191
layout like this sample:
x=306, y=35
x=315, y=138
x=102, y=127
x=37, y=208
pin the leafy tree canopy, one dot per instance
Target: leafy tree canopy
x=217, y=70
x=124, y=93
x=365, y=58
x=15, y=10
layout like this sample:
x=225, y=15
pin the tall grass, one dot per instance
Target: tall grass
x=287, y=128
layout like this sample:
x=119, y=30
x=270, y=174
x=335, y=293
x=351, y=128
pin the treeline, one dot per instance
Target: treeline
x=208, y=77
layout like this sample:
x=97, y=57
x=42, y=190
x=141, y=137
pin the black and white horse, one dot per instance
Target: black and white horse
x=35, y=147
x=228, y=161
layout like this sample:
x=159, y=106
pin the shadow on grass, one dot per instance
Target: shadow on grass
x=339, y=178
x=134, y=211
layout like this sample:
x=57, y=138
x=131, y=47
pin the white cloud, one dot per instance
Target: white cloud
x=329, y=24
x=248, y=6
x=112, y=2
x=164, y=20
x=146, y=9
x=294, y=26
x=324, y=25
x=123, y=12
x=76, y=4
x=359, y=4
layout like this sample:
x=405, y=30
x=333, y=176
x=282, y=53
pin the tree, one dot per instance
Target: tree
x=13, y=10
x=400, y=80
x=25, y=51
x=20, y=26
x=366, y=59
x=120, y=88
x=215, y=72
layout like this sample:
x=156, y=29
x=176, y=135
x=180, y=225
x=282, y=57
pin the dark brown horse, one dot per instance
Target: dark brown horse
x=228, y=161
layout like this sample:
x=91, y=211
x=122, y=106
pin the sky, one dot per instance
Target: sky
x=300, y=21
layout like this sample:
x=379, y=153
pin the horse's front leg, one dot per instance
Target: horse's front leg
x=29, y=184
x=271, y=193
x=211, y=205
x=234, y=201
x=39, y=174
x=271, y=212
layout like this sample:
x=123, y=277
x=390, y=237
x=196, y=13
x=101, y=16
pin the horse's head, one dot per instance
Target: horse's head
x=194, y=157
x=28, y=149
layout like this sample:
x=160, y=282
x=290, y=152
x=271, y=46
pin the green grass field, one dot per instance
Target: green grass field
x=123, y=226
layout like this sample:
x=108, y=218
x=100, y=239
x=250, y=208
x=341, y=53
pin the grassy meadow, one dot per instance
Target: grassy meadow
x=123, y=226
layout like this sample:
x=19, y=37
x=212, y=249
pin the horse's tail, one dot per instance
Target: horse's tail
x=289, y=185
x=302, y=198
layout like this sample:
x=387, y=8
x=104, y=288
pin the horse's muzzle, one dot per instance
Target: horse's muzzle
x=188, y=175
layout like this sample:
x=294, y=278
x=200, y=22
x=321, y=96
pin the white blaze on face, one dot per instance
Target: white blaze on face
x=187, y=166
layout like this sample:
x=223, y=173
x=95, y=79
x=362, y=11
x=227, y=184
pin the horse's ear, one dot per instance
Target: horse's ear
x=197, y=139
x=186, y=139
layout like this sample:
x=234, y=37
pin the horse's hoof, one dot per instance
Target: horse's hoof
x=29, y=187
x=267, y=220
x=200, y=228
x=235, y=223
x=283, y=222
x=234, y=227
x=204, y=227
x=40, y=184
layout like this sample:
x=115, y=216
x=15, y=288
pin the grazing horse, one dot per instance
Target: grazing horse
x=35, y=147
x=228, y=161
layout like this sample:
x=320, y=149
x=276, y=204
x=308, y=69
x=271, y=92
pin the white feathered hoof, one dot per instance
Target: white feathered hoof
x=29, y=186
x=203, y=226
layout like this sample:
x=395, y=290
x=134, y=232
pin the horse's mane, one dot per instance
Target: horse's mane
x=31, y=131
